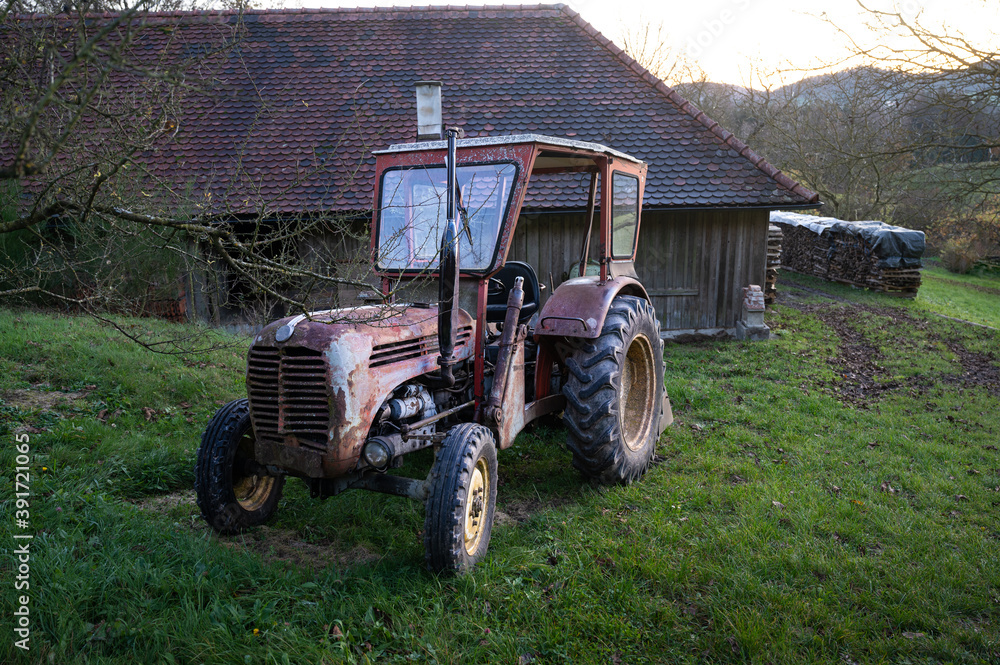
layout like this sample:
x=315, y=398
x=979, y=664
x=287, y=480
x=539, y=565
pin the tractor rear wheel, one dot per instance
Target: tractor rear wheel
x=463, y=493
x=233, y=492
x=614, y=395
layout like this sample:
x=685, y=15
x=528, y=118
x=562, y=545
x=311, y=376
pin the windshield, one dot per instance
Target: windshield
x=413, y=215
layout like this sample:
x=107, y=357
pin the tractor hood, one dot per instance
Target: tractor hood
x=316, y=381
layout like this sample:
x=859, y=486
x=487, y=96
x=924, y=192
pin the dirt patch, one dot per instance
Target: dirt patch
x=33, y=399
x=163, y=503
x=981, y=369
x=270, y=544
x=518, y=512
x=857, y=360
x=284, y=545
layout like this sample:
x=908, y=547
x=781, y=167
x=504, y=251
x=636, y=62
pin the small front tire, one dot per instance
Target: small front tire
x=233, y=494
x=463, y=491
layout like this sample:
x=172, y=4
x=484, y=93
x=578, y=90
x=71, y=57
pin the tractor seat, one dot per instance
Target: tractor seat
x=496, y=300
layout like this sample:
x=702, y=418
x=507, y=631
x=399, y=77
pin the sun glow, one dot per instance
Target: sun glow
x=759, y=42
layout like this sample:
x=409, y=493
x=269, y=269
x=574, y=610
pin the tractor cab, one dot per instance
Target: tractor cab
x=493, y=175
x=464, y=350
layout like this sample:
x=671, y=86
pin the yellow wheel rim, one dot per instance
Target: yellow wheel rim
x=476, y=506
x=638, y=391
x=251, y=490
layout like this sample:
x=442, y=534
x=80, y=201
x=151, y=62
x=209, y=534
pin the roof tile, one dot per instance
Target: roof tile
x=326, y=87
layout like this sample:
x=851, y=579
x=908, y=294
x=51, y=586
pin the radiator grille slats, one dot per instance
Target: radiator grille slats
x=387, y=354
x=288, y=395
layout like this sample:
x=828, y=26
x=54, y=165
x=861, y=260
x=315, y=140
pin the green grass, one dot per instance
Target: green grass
x=941, y=291
x=783, y=522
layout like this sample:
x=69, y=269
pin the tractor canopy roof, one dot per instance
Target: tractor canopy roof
x=555, y=144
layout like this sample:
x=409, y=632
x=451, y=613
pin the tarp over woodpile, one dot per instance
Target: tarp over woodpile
x=873, y=255
x=893, y=246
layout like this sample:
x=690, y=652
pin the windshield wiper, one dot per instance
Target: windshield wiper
x=464, y=212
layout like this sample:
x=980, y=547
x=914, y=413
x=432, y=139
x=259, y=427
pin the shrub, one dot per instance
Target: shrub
x=959, y=254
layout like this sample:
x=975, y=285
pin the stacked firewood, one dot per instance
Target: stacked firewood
x=853, y=262
x=773, y=263
x=804, y=251
x=847, y=253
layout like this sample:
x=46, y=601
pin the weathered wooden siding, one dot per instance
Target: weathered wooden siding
x=693, y=263
x=550, y=243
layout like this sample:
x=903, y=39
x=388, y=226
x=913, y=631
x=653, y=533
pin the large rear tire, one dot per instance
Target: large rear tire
x=232, y=492
x=459, y=512
x=614, y=395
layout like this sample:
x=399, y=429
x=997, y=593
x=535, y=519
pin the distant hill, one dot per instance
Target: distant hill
x=847, y=85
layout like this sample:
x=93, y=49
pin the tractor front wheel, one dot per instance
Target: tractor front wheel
x=462, y=499
x=233, y=491
x=614, y=395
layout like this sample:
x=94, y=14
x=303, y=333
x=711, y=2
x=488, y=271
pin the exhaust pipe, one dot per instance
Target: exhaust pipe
x=448, y=265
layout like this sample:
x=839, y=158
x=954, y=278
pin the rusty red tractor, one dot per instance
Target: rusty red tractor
x=459, y=354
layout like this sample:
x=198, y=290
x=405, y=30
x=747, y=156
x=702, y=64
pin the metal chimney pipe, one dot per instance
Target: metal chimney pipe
x=430, y=126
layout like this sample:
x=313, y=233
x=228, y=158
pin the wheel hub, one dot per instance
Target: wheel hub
x=638, y=392
x=250, y=489
x=475, y=506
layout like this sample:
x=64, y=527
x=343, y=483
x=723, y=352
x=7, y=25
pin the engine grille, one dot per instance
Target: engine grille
x=288, y=395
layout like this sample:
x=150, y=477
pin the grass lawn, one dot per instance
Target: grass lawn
x=970, y=297
x=829, y=496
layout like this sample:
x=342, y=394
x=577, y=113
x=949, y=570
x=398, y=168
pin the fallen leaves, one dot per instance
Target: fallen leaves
x=105, y=417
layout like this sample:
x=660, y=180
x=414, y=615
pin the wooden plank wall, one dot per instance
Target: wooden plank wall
x=693, y=263
x=550, y=243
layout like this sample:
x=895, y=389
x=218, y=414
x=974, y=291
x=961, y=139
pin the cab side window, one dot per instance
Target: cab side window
x=624, y=214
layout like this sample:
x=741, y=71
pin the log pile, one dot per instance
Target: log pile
x=773, y=263
x=865, y=254
x=804, y=251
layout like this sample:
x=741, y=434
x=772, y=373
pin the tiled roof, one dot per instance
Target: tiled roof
x=308, y=94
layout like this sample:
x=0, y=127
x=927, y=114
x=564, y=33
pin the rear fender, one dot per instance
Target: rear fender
x=579, y=306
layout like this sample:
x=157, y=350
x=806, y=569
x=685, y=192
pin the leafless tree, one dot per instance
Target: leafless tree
x=904, y=128
x=87, y=220
x=652, y=46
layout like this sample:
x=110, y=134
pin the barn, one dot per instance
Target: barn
x=342, y=81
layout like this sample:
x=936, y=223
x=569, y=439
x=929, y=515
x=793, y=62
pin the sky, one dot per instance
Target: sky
x=734, y=41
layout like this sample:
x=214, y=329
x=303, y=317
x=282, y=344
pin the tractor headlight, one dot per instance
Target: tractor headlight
x=284, y=332
x=378, y=453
